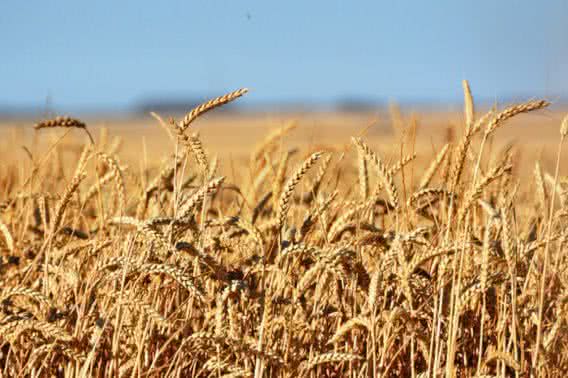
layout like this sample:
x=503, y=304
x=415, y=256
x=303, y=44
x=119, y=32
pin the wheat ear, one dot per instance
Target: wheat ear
x=64, y=121
x=284, y=201
x=209, y=105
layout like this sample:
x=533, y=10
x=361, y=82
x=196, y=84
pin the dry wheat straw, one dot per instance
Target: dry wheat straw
x=470, y=270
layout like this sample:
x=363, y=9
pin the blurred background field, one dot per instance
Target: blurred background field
x=234, y=135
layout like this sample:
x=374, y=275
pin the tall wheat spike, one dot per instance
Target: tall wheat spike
x=209, y=105
x=284, y=201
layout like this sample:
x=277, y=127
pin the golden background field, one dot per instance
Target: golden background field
x=235, y=135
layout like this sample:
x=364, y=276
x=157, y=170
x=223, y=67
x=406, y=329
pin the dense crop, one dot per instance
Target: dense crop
x=325, y=263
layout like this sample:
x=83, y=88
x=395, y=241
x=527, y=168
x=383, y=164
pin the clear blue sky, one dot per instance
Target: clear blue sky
x=113, y=53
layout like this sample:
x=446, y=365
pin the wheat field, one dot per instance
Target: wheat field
x=415, y=251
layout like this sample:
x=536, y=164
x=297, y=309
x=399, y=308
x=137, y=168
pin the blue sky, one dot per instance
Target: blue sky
x=111, y=54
